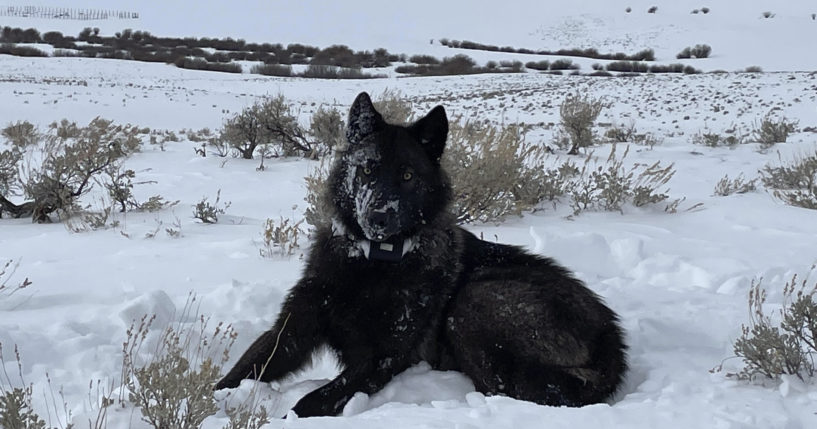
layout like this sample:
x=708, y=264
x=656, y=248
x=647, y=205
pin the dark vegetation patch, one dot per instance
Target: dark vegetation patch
x=459, y=65
x=190, y=52
x=697, y=51
x=644, y=55
x=333, y=62
x=639, y=67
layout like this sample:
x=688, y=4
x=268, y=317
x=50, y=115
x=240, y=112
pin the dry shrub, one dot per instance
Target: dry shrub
x=621, y=133
x=611, y=185
x=281, y=70
x=282, y=130
x=494, y=171
x=321, y=71
x=579, y=114
x=629, y=134
x=424, y=59
x=68, y=160
x=21, y=134
x=738, y=185
x=563, y=64
x=319, y=207
x=538, y=65
x=795, y=183
x=9, y=161
x=394, y=106
x=208, y=213
x=243, y=132
x=200, y=136
x=327, y=129
x=7, y=289
x=280, y=238
x=16, y=410
x=173, y=384
x=251, y=416
x=771, y=129
x=730, y=138
x=697, y=51
x=782, y=342
x=269, y=122
x=119, y=183
x=201, y=64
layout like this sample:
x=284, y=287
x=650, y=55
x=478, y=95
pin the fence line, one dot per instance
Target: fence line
x=65, y=13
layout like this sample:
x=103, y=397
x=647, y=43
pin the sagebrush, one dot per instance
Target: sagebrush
x=730, y=138
x=327, y=126
x=280, y=237
x=783, y=341
x=16, y=409
x=772, y=129
x=628, y=133
x=738, y=185
x=794, y=183
x=269, y=122
x=209, y=212
x=63, y=164
x=395, y=107
x=610, y=185
x=494, y=171
x=578, y=114
x=172, y=384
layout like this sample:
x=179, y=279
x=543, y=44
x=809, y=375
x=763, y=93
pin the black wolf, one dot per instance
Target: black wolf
x=395, y=281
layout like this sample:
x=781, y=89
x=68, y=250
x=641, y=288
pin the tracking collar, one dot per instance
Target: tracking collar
x=391, y=250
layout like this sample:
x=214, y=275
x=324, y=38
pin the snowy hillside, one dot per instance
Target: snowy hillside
x=737, y=31
x=679, y=280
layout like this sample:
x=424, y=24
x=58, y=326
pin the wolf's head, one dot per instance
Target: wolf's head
x=389, y=183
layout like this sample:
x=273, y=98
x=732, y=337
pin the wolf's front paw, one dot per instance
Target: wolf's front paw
x=314, y=406
x=226, y=383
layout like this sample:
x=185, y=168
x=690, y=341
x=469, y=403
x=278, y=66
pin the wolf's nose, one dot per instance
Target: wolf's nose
x=380, y=220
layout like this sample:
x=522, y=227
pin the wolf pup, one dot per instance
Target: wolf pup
x=395, y=281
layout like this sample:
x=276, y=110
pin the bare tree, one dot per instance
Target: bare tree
x=269, y=122
x=283, y=129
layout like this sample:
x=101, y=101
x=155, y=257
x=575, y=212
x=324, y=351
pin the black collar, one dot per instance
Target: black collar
x=391, y=250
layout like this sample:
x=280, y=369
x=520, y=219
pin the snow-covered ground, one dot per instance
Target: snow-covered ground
x=679, y=281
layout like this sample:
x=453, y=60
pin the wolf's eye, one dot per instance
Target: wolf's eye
x=367, y=171
x=407, y=176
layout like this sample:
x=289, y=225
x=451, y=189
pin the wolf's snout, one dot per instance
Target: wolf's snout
x=380, y=220
x=381, y=224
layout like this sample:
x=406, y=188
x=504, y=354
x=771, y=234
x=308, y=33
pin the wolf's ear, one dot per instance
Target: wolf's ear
x=363, y=119
x=432, y=130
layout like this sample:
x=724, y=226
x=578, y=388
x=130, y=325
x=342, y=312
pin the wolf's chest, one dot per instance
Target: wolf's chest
x=379, y=306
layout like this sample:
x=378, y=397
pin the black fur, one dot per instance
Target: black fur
x=517, y=324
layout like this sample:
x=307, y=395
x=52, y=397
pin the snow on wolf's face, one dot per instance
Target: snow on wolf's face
x=389, y=183
x=387, y=188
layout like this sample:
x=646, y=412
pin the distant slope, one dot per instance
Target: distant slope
x=735, y=29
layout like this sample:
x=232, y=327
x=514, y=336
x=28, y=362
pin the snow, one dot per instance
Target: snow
x=679, y=281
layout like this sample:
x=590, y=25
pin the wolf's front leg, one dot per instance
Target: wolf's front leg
x=286, y=347
x=368, y=377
